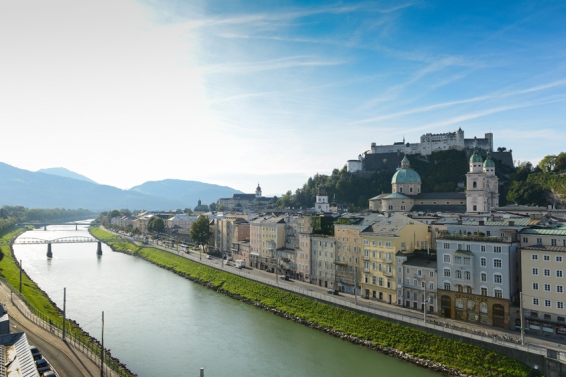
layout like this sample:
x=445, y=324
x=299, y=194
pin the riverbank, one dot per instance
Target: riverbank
x=42, y=306
x=432, y=351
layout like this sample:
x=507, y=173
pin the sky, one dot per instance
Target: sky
x=241, y=92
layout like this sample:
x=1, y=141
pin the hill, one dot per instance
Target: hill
x=21, y=187
x=62, y=172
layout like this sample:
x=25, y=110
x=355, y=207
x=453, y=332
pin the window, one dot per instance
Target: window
x=373, y=280
x=467, y=275
x=535, y=286
x=446, y=258
x=546, y=258
x=497, y=278
x=457, y=260
x=446, y=286
x=482, y=248
x=546, y=272
x=446, y=245
x=483, y=276
x=539, y=241
x=458, y=274
x=547, y=303
x=498, y=293
x=483, y=291
x=559, y=258
x=559, y=273
x=497, y=249
x=469, y=247
x=535, y=301
x=525, y=240
x=467, y=261
x=447, y=272
x=560, y=305
x=547, y=288
x=483, y=262
x=497, y=263
x=553, y=242
x=387, y=243
x=535, y=271
x=534, y=257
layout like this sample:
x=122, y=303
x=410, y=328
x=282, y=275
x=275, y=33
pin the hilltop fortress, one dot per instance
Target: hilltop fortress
x=387, y=157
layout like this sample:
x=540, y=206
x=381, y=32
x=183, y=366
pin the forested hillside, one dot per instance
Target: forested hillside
x=440, y=172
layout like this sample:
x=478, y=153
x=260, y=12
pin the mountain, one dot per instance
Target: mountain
x=186, y=191
x=62, y=172
x=41, y=190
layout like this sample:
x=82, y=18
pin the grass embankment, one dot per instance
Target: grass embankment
x=10, y=271
x=41, y=305
x=467, y=358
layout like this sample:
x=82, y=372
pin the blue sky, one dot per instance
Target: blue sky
x=241, y=92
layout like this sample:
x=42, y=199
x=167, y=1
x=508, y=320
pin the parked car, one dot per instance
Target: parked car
x=35, y=352
x=208, y=257
x=49, y=374
x=42, y=366
x=332, y=291
x=284, y=277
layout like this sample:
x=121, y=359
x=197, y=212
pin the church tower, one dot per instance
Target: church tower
x=258, y=192
x=482, y=185
x=322, y=204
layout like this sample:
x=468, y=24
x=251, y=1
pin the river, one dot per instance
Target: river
x=160, y=324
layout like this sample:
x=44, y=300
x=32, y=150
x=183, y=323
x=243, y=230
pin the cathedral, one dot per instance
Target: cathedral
x=482, y=191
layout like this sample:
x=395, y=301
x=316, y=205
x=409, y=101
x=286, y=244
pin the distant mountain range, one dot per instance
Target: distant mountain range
x=62, y=188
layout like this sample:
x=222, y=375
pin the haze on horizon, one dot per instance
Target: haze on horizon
x=236, y=93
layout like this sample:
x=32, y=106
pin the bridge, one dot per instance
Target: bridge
x=44, y=224
x=72, y=239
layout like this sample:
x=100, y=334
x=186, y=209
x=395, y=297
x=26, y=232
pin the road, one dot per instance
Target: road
x=65, y=360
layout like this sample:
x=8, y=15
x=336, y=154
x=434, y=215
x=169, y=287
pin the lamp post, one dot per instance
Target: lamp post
x=521, y=315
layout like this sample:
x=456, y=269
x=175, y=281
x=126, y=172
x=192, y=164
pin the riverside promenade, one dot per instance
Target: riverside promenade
x=64, y=358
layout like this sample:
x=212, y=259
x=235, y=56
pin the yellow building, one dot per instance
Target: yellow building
x=381, y=242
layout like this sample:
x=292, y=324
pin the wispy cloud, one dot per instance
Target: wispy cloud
x=494, y=110
x=497, y=95
x=272, y=64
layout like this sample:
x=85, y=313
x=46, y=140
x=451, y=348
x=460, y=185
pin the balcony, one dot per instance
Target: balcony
x=388, y=273
x=366, y=269
x=388, y=260
x=365, y=257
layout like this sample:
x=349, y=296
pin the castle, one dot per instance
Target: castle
x=429, y=143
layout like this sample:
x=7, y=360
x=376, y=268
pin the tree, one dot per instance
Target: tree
x=560, y=162
x=200, y=231
x=112, y=214
x=156, y=224
x=548, y=163
x=526, y=193
x=212, y=206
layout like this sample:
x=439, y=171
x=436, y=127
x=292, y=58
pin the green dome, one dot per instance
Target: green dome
x=476, y=158
x=406, y=176
x=489, y=163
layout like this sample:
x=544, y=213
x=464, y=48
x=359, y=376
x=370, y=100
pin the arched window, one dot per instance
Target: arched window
x=474, y=185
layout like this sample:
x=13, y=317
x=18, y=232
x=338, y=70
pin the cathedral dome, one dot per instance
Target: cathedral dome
x=476, y=158
x=406, y=176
